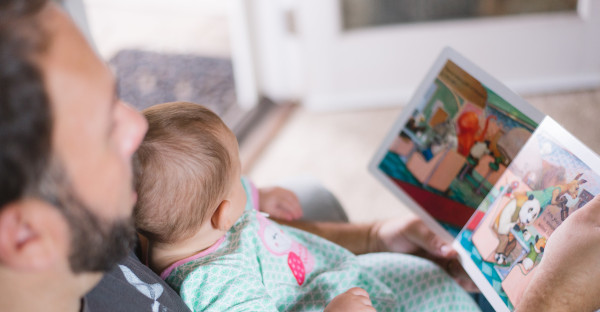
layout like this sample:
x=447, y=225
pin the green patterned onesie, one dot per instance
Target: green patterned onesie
x=262, y=266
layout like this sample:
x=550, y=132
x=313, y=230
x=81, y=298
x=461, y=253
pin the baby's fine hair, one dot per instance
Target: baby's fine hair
x=182, y=170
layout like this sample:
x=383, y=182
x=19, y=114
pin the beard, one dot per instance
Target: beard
x=97, y=245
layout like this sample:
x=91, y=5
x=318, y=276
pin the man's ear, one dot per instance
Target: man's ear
x=221, y=219
x=33, y=235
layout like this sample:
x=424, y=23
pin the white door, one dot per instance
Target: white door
x=336, y=67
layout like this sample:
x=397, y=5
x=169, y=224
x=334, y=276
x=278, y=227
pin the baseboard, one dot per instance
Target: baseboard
x=356, y=100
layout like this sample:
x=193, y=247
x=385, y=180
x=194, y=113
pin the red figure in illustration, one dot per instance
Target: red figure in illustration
x=468, y=126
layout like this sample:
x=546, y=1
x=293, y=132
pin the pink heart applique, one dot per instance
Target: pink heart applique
x=297, y=267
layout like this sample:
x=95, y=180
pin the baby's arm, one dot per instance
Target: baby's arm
x=279, y=203
x=354, y=299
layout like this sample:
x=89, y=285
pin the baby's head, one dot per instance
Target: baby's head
x=188, y=174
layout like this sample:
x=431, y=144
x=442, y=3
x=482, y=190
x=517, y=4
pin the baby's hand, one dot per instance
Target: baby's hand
x=279, y=203
x=354, y=299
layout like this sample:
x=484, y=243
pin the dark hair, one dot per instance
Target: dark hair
x=25, y=113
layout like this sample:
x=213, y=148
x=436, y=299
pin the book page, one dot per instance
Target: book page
x=453, y=142
x=552, y=176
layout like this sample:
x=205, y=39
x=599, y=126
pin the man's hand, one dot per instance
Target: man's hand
x=567, y=277
x=412, y=236
x=354, y=299
x=279, y=203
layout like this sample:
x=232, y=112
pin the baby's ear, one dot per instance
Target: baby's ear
x=221, y=218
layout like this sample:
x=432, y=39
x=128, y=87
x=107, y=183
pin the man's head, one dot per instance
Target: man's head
x=66, y=192
x=188, y=163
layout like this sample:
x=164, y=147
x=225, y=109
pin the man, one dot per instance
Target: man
x=66, y=180
x=66, y=191
x=66, y=196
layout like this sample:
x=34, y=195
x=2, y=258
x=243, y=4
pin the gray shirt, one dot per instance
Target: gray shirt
x=132, y=286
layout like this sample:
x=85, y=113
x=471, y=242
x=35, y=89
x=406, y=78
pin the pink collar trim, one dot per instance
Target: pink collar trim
x=203, y=253
x=254, y=191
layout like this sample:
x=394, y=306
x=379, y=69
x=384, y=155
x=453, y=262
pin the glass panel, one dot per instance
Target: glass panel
x=368, y=13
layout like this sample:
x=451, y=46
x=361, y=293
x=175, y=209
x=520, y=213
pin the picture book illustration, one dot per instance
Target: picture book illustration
x=456, y=144
x=546, y=182
x=486, y=170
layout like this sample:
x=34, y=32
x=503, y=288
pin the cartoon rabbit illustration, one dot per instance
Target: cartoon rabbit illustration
x=299, y=259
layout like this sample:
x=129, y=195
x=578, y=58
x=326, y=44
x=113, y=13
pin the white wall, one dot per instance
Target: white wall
x=329, y=69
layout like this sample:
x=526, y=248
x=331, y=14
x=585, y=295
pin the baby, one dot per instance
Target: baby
x=209, y=240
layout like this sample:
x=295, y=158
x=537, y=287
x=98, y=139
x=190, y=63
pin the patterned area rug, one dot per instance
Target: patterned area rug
x=149, y=78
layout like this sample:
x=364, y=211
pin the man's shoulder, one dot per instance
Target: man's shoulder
x=131, y=286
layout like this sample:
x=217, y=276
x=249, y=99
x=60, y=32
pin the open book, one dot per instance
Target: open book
x=486, y=170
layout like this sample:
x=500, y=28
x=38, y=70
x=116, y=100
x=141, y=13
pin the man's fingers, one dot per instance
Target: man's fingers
x=467, y=284
x=591, y=210
x=425, y=238
x=460, y=276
